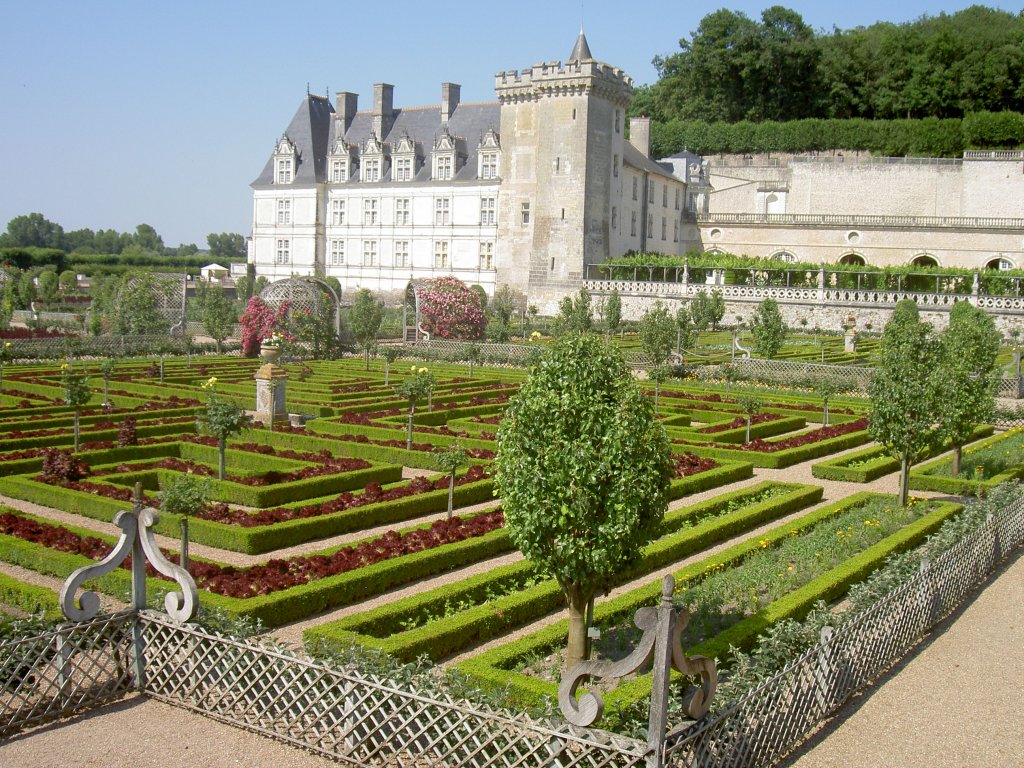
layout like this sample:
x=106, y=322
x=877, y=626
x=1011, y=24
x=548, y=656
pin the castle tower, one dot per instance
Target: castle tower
x=562, y=141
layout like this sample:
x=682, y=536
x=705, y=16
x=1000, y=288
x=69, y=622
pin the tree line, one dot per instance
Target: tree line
x=34, y=230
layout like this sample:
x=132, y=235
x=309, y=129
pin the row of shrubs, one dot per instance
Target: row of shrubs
x=928, y=137
x=784, y=458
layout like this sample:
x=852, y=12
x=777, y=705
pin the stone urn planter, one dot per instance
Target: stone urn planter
x=270, y=352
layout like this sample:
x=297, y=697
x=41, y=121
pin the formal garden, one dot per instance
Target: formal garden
x=476, y=528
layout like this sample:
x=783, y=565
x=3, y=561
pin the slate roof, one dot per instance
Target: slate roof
x=634, y=157
x=313, y=128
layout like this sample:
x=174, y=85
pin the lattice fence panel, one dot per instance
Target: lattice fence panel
x=355, y=718
x=769, y=721
x=794, y=371
x=71, y=668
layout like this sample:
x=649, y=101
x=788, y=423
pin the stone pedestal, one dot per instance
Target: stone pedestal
x=270, y=393
x=850, y=340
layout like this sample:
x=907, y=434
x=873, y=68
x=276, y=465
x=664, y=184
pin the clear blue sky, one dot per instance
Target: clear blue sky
x=117, y=113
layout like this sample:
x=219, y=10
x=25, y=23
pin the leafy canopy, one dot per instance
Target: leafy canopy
x=768, y=328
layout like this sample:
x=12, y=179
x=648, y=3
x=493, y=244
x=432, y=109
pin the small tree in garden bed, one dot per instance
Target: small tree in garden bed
x=658, y=374
x=364, y=319
x=418, y=386
x=967, y=375
x=750, y=406
x=826, y=389
x=183, y=495
x=768, y=328
x=107, y=369
x=583, y=470
x=450, y=310
x=390, y=354
x=473, y=356
x=902, y=391
x=222, y=419
x=448, y=460
x=6, y=356
x=613, y=312
x=76, y=393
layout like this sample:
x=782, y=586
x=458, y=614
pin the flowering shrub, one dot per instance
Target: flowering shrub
x=450, y=310
x=260, y=322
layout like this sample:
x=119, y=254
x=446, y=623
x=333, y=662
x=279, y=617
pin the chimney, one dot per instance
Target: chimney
x=345, y=109
x=383, y=109
x=640, y=134
x=450, y=93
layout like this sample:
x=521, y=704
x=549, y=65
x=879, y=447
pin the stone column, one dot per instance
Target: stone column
x=270, y=393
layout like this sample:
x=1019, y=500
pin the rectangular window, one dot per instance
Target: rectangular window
x=634, y=187
x=691, y=203
x=442, y=210
x=338, y=171
x=284, y=171
x=650, y=192
x=615, y=166
x=401, y=253
x=678, y=195
x=369, y=211
x=486, y=254
x=650, y=225
x=487, y=211
x=489, y=165
x=525, y=211
x=440, y=254
x=284, y=211
x=371, y=170
x=403, y=169
x=403, y=211
x=664, y=196
x=338, y=212
x=337, y=253
x=664, y=228
x=675, y=231
x=284, y=248
x=632, y=224
x=369, y=253
x=615, y=217
x=618, y=121
x=444, y=168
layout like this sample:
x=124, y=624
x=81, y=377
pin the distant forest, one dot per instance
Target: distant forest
x=734, y=68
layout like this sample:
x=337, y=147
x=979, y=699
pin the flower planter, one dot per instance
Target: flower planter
x=270, y=352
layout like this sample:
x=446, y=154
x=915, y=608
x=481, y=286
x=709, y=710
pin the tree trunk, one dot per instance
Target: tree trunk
x=76, y=431
x=221, y=447
x=161, y=369
x=657, y=392
x=748, y=430
x=387, y=373
x=106, y=400
x=183, y=551
x=826, y=413
x=408, y=437
x=471, y=369
x=366, y=357
x=451, y=494
x=904, y=478
x=577, y=606
x=958, y=454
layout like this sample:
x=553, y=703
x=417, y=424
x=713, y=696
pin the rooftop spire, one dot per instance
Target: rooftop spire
x=581, y=51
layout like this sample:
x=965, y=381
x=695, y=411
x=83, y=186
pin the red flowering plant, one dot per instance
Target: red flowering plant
x=450, y=310
x=260, y=322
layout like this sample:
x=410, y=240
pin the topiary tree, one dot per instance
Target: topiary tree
x=826, y=390
x=967, y=375
x=574, y=315
x=390, y=354
x=216, y=311
x=700, y=311
x=450, y=310
x=448, y=460
x=6, y=356
x=473, y=355
x=750, y=407
x=183, y=495
x=364, y=319
x=222, y=419
x=583, y=471
x=768, y=328
x=902, y=391
x=685, y=332
x=657, y=332
x=416, y=387
x=716, y=308
x=613, y=312
x=107, y=367
x=76, y=393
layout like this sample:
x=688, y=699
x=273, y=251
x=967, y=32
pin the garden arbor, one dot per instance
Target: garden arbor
x=307, y=294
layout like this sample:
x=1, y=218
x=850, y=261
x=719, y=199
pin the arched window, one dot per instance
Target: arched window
x=924, y=260
x=999, y=263
x=853, y=258
x=784, y=256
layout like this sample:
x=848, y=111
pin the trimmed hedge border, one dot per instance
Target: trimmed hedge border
x=780, y=459
x=447, y=636
x=923, y=479
x=835, y=469
x=491, y=667
x=28, y=597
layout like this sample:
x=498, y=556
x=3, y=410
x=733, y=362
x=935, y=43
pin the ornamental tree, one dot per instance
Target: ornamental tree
x=390, y=354
x=216, y=311
x=448, y=460
x=583, y=471
x=76, y=393
x=364, y=318
x=613, y=312
x=750, y=406
x=902, y=391
x=6, y=356
x=222, y=419
x=107, y=368
x=183, y=495
x=826, y=389
x=416, y=387
x=768, y=328
x=450, y=310
x=657, y=333
x=685, y=332
x=967, y=376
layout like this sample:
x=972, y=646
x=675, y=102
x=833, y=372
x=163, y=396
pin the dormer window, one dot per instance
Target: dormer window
x=285, y=161
x=443, y=167
x=489, y=153
x=403, y=169
x=371, y=169
x=341, y=165
x=403, y=159
x=339, y=171
x=372, y=160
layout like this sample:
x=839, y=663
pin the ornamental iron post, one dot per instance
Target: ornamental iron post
x=662, y=628
x=136, y=540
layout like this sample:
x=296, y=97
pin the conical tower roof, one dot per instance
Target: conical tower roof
x=580, y=51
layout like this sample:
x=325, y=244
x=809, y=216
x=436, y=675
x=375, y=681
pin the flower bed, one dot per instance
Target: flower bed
x=983, y=466
x=757, y=418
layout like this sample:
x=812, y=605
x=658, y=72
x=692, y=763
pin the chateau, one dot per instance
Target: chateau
x=538, y=188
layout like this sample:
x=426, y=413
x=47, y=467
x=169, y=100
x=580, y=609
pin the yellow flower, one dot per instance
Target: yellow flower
x=7, y=343
x=209, y=383
x=63, y=366
x=423, y=370
x=413, y=369
x=790, y=568
x=763, y=543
